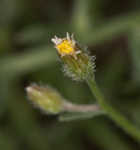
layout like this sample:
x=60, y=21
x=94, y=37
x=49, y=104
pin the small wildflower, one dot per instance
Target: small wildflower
x=77, y=63
x=66, y=46
x=46, y=98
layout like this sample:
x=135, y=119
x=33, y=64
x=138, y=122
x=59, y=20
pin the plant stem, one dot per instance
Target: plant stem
x=71, y=107
x=112, y=113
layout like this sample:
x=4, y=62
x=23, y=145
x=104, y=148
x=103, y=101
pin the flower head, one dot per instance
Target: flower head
x=66, y=46
x=77, y=63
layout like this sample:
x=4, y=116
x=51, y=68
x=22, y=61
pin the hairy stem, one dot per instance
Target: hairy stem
x=121, y=120
x=70, y=107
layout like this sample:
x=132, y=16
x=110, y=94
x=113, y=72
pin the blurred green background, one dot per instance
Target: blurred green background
x=111, y=31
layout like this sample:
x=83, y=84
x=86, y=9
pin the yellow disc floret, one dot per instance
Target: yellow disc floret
x=65, y=47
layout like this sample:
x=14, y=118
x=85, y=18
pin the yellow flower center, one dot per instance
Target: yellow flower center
x=65, y=47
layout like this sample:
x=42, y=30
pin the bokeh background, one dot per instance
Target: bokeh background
x=110, y=29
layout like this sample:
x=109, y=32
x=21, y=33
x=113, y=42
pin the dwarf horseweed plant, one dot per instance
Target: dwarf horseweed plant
x=80, y=66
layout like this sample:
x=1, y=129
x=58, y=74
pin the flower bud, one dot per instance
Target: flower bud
x=45, y=98
x=77, y=63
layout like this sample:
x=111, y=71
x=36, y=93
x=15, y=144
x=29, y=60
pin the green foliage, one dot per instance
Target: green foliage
x=111, y=31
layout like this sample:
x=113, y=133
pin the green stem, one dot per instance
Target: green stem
x=113, y=114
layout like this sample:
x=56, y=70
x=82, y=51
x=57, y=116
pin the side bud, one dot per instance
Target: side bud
x=46, y=98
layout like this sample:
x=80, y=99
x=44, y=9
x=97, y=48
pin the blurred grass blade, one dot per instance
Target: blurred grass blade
x=29, y=61
x=134, y=40
x=109, y=29
x=81, y=20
